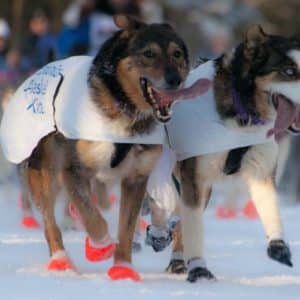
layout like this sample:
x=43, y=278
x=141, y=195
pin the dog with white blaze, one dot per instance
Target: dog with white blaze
x=233, y=131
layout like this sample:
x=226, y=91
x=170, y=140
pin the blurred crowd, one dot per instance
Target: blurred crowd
x=86, y=24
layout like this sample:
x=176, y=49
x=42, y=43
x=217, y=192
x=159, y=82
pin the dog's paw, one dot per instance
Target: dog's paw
x=60, y=262
x=199, y=273
x=123, y=272
x=279, y=251
x=30, y=222
x=157, y=238
x=176, y=266
x=102, y=251
x=136, y=247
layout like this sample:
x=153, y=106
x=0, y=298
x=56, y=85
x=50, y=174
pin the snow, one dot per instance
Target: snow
x=236, y=254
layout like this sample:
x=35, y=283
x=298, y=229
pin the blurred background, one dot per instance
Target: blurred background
x=35, y=32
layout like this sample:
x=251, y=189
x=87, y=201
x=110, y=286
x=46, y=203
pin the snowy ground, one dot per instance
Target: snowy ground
x=236, y=254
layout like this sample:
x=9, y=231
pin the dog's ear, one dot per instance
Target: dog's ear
x=128, y=23
x=255, y=38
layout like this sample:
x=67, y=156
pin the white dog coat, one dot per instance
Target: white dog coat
x=57, y=98
x=33, y=112
x=196, y=127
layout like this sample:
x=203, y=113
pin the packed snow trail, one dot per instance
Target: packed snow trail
x=236, y=254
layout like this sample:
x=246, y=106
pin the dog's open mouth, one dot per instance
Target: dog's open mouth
x=288, y=116
x=161, y=100
x=161, y=112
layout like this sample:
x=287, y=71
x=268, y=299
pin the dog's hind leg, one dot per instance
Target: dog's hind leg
x=132, y=194
x=100, y=195
x=98, y=245
x=42, y=172
x=43, y=188
x=195, y=196
x=28, y=219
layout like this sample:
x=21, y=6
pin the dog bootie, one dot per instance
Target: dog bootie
x=123, y=272
x=158, y=238
x=176, y=266
x=100, y=251
x=200, y=273
x=197, y=271
x=30, y=222
x=249, y=211
x=136, y=245
x=225, y=213
x=143, y=224
x=279, y=251
x=60, y=262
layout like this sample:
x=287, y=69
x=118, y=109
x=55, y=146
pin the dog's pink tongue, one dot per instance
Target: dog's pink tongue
x=287, y=114
x=200, y=87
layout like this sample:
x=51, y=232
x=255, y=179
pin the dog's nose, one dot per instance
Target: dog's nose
x=173, y=80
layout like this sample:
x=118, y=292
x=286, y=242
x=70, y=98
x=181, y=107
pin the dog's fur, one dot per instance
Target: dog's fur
x=258, y=67
x=154, y=52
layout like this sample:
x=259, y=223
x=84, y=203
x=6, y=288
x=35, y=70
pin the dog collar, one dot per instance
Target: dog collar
x=244, y=116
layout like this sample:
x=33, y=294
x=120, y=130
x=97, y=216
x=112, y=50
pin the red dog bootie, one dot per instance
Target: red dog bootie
x=250, y=211
x=30, y=222
x=60, y=262
x=226, y=213
x=123, y=271
x=112, y=199
x=99, y=251
x=143, y=224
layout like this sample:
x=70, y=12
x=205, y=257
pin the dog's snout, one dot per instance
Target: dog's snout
x=173, y=79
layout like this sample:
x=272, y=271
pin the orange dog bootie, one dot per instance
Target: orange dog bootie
x=123, y=272
x=102, y=251
x=250, y=211
x=30, y=222
x=226, y=213
x=60, y=262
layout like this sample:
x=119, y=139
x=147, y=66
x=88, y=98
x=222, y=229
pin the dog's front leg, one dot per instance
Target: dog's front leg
x=195, y=195
x=264, y=196
x=132, y=194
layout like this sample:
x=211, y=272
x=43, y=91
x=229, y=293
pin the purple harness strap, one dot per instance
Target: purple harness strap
x=244, y=116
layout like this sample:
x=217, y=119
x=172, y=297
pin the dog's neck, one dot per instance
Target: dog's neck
x=237, y=98
x=111, y=94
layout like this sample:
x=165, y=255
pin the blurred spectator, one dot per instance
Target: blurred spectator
x=74, y=37
x=40, y=46
x=4, y=41
x=101, y=20
x=151, y=11
x=218, y=37
x=89, y=23
x=11, y=70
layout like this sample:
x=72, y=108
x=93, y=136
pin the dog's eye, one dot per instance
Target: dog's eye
x=149, y=54
x=290, y=72
x=177, y=54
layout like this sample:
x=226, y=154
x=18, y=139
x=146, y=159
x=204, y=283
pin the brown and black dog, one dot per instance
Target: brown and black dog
x=258, y=82
x=134, y=59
